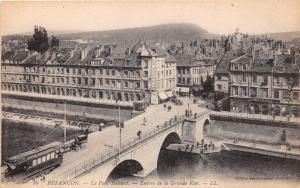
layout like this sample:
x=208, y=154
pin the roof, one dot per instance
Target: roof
x=286, y=63
x=224, y=65
x=15, y=56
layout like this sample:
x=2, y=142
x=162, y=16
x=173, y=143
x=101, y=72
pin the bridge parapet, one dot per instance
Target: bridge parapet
x=255, y=117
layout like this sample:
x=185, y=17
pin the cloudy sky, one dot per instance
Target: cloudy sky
x=216, y=16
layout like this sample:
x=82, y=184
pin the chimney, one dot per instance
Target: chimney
x=83, y=54
x=275, y=59
x=47, y=54
x=127, y=52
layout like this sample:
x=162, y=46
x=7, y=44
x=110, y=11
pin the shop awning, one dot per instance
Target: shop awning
x=198, y=88
x=169, y=93
x=184, y=89
x=162, y=96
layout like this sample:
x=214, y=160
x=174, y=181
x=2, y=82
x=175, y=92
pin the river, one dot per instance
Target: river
x=225, y=165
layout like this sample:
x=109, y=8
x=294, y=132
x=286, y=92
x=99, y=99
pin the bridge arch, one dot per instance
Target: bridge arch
x=163, y=157
x=124, y=169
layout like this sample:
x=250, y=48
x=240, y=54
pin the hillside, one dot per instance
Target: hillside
x=160, y=33
x=285, y=36
x=296, y=42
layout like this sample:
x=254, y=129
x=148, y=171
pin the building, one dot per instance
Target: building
x=73, y=75
x=265, y=85
x=192, y=72
x=89, y=75
x=159, y=71
x=221, y=81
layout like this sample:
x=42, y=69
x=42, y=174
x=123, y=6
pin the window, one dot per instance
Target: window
x=107, y=82
x=265, y=80
x=244, y=93
x=52, y=155
x=100, y=81
x=253, y=92
x=92, y=81
x=219, y=86
x=100, y=71
x=113, y=83
x=146, y=64
x=235, y=91
x=295, y=95
x=254, y=79
x=146, y=84
x=146, y=73
x=276, y=94
x=219, y=77
x=126, y=84
x=113, y=72
x=107, y=72
x=137, y=85
x=276, y=80
x=236, y=66
x=68, y=70
x=86, y=71
x=79, y=80
x=34, y=162
x=264, y=93
x=244, y=77
x=39, y=160
x=125, y=73
x=285, y=94
x=79, y=71
x=244, y=67
x=86, y=80
x=48, y=157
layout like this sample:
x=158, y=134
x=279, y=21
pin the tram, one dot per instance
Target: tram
x=35, y=162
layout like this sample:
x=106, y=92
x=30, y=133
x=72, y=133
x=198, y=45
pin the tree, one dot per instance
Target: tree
x=208, y=85
x=39, y=40
x=54, y=43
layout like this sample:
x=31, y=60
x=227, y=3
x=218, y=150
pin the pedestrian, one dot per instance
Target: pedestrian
x=145, y=121
x=165, y=106
x=213, y=146
x=139, y=133
x=202, y=141
x=190, y=112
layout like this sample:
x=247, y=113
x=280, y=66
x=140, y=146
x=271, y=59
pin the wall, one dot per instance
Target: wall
x=96, y=111
x=246, y=131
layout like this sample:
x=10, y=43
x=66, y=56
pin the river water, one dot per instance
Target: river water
x=225, y=165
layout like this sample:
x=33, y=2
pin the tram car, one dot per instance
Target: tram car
x=30, y=164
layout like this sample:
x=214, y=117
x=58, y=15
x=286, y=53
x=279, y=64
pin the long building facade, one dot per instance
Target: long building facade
x=85, y=75
x=265, y=85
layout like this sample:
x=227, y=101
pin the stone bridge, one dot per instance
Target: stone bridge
x=140, y=156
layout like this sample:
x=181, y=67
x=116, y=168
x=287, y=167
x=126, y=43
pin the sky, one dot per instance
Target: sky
x=215, y=16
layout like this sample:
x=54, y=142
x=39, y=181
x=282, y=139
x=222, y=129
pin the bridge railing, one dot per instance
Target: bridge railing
x=126, y=145
x=255, y=116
